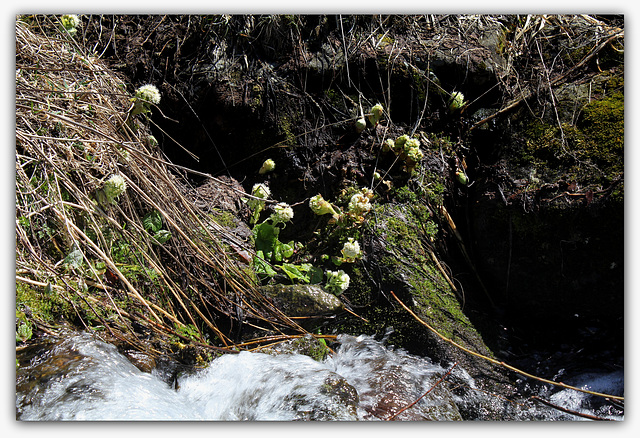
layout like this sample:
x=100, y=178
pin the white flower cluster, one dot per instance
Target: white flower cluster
x=319, y=206
x=145, y=96
x=70, y=22
x=337, y=282
x=407, y=148
x=259, y=191
x=359, y=203
x=412, y=150
x=376, y=114
x=148, y=93
x=267, y=166
x=282, y=214
x=114, y=187
x=351, y=251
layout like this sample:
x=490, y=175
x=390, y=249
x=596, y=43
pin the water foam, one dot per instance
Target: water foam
x=81, y=378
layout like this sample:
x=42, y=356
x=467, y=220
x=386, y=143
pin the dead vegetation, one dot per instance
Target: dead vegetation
x=102, y=264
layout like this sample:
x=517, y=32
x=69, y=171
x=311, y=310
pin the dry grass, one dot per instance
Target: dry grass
x=73, y=132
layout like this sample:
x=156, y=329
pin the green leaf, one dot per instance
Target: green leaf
x=261, y=266
x=295, y=272
x=282, y=251
x=74, y=258
x=304, y=272
x=315, y=275
x=266, y=239
x=162, y=236
x=152, y=222
x=24, y=332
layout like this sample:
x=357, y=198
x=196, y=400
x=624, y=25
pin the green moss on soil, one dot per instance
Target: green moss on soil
x=224, y=218
x=40, y=303
x=589, y=152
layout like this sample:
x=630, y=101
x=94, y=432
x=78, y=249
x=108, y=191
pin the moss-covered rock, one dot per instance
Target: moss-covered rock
x=315, y=348
x=401, y=258
x=402, y=245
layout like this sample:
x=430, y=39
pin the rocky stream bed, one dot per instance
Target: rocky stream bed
x=502, y=230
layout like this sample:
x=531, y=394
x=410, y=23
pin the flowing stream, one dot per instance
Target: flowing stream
x=82, y=378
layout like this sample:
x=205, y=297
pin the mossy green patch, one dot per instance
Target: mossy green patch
x=383, y=40
x=224, y=218
x=334, y=97
x=41, y=303
x=315, y=348
x=602, y=124
x=51, y=304
x=590, y=152
x=409, y=231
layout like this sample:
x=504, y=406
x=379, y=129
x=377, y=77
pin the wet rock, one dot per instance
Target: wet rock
x=392, y=385
x=306, y=345
x=302, y=300
x=144, y=362
x=403, y=254
x=340, y=401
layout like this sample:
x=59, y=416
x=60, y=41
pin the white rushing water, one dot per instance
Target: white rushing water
x=82, y=378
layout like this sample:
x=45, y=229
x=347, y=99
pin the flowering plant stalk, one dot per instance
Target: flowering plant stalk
x=111, y=190
x=145, y=96
x=70, y=23
x=261, y=193
x=321, y=207
x=351, y=251
x=337, y=282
